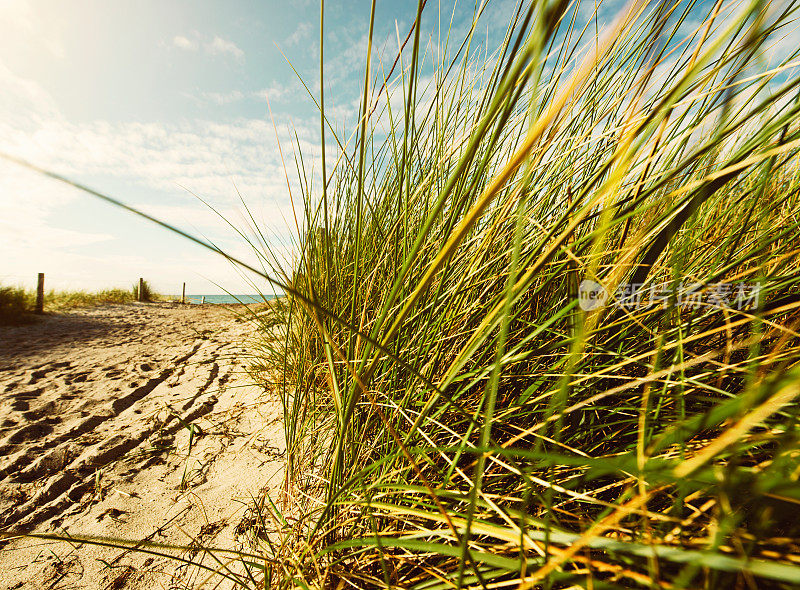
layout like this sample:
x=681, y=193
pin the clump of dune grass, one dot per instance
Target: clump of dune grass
x=454, y=418
x=148, y=294
x=15, y=305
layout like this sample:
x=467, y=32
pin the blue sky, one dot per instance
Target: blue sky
x=157, y=103
x=151, y=102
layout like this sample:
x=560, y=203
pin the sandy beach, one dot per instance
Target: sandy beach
x=97, y=407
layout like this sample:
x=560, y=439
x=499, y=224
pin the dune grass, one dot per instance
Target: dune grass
x=454, y=418
x=17, y=304
x=61, y=300
x=148, y=294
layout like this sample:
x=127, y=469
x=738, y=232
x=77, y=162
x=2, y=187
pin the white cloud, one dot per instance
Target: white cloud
x=184, y=43
x=220, y=46
x=206, y=157
x=277, y=92
x=301, y=33
x=216, y=46
x=223, y=98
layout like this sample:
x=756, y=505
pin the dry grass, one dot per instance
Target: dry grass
x=17, y=304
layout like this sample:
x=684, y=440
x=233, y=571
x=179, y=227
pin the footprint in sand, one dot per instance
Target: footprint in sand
x=42, y=371
x=78, y=378
x=30, y=432
x=47, y=410
x=21, y=401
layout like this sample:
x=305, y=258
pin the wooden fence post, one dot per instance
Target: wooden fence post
x=140, y=294
x=183, y=294
x=40, y=294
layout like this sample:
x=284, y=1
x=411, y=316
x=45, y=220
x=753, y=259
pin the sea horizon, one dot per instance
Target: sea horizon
x=225, y=298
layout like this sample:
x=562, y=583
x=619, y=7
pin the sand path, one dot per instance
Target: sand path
x=96, y=408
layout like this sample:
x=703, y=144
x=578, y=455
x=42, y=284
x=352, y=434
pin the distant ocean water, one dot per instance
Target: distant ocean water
x=228, y=299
